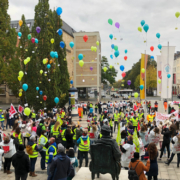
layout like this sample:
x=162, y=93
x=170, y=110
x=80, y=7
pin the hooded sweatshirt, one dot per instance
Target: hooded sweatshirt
x=20, y=162
x=60, y=167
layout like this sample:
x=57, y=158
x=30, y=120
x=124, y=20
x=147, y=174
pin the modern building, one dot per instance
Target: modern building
x=176, y=74
x=6, y=95
x=88, y=76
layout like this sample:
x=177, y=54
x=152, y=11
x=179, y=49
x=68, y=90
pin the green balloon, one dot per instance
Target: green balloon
x=110, y=21
x=115, y=48
x=139, y=29
x=29, y=36
x=81, y=63
x=177, y=14
x=135, y=94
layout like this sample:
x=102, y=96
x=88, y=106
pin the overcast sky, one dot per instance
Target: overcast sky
x=93, y=15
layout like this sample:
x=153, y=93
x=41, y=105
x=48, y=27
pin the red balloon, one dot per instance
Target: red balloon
x=33, y=40
x=85, y=38
x=123, y=74
x=152, y=48
x=125, y=58
x=44, y=97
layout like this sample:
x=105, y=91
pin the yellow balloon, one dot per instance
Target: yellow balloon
x=25, y=61
x=97, y=43
x=92, y=48
x=142, y=70
x=28, y=59
x=20, y=94
x=52, y=41
x=44, y=61
x=21, y=74
x=110, y=66
x=27, y=111
x=41, y=71
x=81, y=63
x=19, y=78
x=20, y=23
x=95, y=49
x=20, y=90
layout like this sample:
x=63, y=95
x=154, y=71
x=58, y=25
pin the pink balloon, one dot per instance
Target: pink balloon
x=33, y=40
x=117, y=25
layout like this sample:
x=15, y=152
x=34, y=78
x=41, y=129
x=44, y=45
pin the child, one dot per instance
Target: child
x=74, y=161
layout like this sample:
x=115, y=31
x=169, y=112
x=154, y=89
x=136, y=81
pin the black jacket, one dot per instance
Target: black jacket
x=21, y=163
x=167, y=135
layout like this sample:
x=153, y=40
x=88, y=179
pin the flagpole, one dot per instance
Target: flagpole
x=167, y=65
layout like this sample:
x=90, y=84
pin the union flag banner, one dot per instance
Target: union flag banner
x=20, y=109
x=12, y=110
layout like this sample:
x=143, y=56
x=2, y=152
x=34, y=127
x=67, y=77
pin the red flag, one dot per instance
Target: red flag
x=12, y=110
x=139, y=127
x=20, y=109
x=135, y=107
x=159, y=74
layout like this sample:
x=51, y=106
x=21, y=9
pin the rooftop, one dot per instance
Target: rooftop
x=30, y=23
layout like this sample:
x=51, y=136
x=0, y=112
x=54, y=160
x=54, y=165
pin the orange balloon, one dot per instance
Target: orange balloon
x=47, y=60
x=50, y=61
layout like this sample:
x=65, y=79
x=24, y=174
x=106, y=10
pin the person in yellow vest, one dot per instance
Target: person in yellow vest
x=116, y=117
x=56, y=129
x=150, y=117
x=111, y=125
x=51, y=153
x=101, y=119
x=33, y=157
x=42, y=142
x=128, y=119
x=96, y=107
x=63, y=114
x=33, y=116
x=74, y=137
x=2, y=119
x=84, y=146
x=63, y=134
x=135, y=121
x=17, y=134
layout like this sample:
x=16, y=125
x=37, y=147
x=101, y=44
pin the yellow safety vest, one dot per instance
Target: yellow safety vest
x=116, y=117
x=47, y=153
x=135, y=121
x=96, y=106
x=63, y=135
x=100, y=135
x=102, y=117
x=74, y=137
x=19, y=137
x=83, y=146
x=55, y=133
x=90, y=105
x=111, y=123
x=2, y=118
x=63, y=114
x=35, y=153
x=150, y=118
x=46, y=140
x=33, y=115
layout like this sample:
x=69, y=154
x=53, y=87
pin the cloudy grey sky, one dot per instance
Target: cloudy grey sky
x=93, y=15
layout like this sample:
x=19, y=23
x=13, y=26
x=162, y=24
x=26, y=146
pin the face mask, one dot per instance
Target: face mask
x=45, y=133
x=80, y=127
x=19, y=121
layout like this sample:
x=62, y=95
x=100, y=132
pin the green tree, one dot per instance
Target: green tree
x=151, y=77
x=110, y=74
x=7, y=39
x=117, y=84
x=137, y=82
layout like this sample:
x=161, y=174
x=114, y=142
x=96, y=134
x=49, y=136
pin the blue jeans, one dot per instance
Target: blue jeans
x=2, y=124
x=43, y=155
x=32, y=164
x=48, y=169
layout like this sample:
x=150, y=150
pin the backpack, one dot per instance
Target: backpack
x=39, y=129
x=132, y=175
x=29, y=150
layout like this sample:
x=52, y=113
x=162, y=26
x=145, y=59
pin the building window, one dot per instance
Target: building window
x=29, y=25
x=3, y=90
x=15, y=26
x=10, y=92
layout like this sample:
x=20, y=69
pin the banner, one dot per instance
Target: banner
x=175, y=102
x=159, y=75
x=20, y=109
x=167, y=60
x=12, y=111
x=163, y=117
x=142, y=77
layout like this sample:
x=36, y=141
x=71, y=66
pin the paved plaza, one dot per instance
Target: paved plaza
x=165, y=172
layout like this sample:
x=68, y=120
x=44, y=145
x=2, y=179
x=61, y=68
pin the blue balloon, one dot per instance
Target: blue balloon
x=168, y=76
x=146, y=28
x=71, y=82
x=160, y=46
x=60, y=32
x=56, y=100
x=142, y=23
x=59, y=11
x=111, y=56
x=80, y=56
x=126, y=51
x=25, y=87
x=122, y=68
x=48, y=66
x=152, y=57
x=116, y=53
x=91, y=110
x=36, y=41
x=19, y=34
x=62, y=44
x=141, y=87
x=40, y=92
x=112, y=46
x=110, y=36
x=55, y=54
x=52, y=54
x=37, y=88
x=71, y=44
x=158, y=35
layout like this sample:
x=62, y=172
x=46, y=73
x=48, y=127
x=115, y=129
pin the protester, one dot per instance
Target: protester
x=60, y=167
x=152, y=153
x=21, y=164
x=69, y=139
x=140, y=167
x=8, y=123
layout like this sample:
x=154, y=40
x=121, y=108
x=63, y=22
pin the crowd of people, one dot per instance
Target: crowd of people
x=61, y=143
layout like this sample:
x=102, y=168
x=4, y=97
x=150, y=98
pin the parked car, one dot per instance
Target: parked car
x=178, y=96
x=103, y=96
x=125, y=97
x=115, y=95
